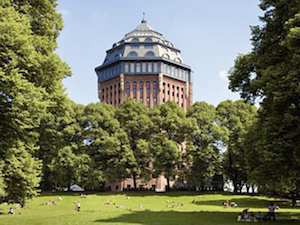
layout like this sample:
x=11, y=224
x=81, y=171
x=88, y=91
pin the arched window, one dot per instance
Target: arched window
x=115, y=45
x=134, y=83
x=117, y=56
x=148, y=39
x=132, y=54
x=166, y=56
x=178, y=60
x=135, y=40
x=148, y=83
x=122, y=42
x=127, y=83
x=150, y=54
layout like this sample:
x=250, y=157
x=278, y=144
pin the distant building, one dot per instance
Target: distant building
x=146, y=67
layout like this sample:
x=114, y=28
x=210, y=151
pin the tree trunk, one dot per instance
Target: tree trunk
x=252, y=186
x=134, y=180
x=168, y=184
x=248, y=188
x=293, y=197
x=235, y=187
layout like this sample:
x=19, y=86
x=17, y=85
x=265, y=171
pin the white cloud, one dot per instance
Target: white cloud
x=223, y=75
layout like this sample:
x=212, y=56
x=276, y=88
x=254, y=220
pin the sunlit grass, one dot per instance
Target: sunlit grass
x=144, y=208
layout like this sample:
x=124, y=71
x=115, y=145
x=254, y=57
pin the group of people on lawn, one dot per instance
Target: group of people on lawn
x=250, y=217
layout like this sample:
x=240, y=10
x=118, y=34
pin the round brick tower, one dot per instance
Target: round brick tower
x=146, y=67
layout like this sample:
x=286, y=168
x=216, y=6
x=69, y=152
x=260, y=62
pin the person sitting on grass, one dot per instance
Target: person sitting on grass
x=244, y=214
x=233, y=205
x=11, y=211
x=258, y=216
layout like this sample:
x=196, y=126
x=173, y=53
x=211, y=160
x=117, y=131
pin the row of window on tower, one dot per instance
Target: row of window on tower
x=141, y=90
x=141, y=83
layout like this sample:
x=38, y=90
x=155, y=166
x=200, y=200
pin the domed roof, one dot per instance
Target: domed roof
x=144, y=30
x=143, y=43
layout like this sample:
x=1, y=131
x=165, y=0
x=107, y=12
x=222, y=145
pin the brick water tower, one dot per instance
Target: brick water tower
x=146, y=67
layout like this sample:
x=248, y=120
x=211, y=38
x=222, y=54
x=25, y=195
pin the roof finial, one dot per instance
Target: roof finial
x=144, y=21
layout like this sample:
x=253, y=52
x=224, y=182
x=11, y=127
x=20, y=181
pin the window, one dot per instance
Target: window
x=148, y=39
x=141, y=99
x=148, y=83
x=114, y=45
x=132, y=54
x=150, y=54
x=168, y=92
x=181, y=96
x=166, y=56
x=148, y=90
x=122, y=42
x=148, y=46
x=134, y=99
x=173, y=86
x=163, y=91
x=154, y=99
x=134, y=83
x=134, y=90
x=178, y=60
x=168, y=85
x=141, y=90
x=127, y=90
x=154, y=90
x=127, y=83
x=148, y=99
x=141, y=83
x=135, y=46
x=154, y=83
x=135, y=40
x=163, y=100
x=117, y=56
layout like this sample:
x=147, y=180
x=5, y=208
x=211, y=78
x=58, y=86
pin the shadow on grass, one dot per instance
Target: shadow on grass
x=189, y=218
x=250, y=203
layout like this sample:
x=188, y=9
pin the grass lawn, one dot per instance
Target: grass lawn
x=156, y=209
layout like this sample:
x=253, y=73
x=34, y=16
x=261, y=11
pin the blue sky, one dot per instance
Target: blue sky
x=210, y=35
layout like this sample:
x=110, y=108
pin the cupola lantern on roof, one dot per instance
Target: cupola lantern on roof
x=146, y=67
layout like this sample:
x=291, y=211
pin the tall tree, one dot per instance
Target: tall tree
x=22, y=106
x=134, y=119
x=236, y=117
x=31, y=88
x=271, y=72
x=106, y=143
x=171, y=129
x=203, y=150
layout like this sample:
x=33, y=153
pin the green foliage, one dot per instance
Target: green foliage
x=271, y=72
x=31, y=87
x=203, y=152
x=105, y=142
x=236, y=117
x=134, y=119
